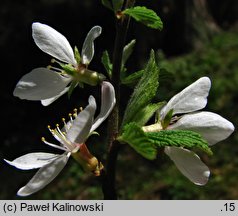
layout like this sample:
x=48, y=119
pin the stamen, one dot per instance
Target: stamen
x=55, y=69
x=51, y=130
x=59, y=131
x=53, y=145
x=55, y=61
x=70, y=117
x=75, y=113
x=81, y=109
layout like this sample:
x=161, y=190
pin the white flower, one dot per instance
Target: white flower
x=211, y=126
x=72, y=138
x=48, y=85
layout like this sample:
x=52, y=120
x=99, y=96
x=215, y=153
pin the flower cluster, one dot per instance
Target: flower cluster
x=182, y=112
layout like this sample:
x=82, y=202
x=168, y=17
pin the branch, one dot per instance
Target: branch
x=108, y=177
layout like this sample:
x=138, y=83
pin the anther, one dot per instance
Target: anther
x=43, y=139
x=52, y=61
x=81, y=109
x=75, y=113
x=70, y=116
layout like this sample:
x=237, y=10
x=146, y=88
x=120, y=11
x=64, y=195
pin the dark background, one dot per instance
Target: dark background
x=185, y=45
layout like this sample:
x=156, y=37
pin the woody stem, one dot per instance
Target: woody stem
x=108, y=185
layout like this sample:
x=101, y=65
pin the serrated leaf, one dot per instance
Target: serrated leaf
x=137, y=139
x=146, y=16
x=143, y=115
x=179, y=138
x=107, y=4
x=107, y=63
x=144, y=92
x=117, y=4
x=132, y=79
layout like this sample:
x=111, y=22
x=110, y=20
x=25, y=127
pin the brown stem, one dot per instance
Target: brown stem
x=108, y=177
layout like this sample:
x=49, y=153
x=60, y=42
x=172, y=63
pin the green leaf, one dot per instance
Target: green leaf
x=107, y=63
x=107, y=4
x=146, y=16
x=132, y=79
x=143, y=93
x=143, y=115
x=128, y=49
x=117, y=5
x=179, y=138
x=137, y=139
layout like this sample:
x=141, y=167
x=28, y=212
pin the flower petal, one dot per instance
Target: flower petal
x=53, y=43
x=44, y=176
x=49, y=101
x=40, y=84
x=192, y=98
x=107, y=103
x=189, y=164
x=82, y=124
x=88, y=45
x=211, y=126
x=32, y=160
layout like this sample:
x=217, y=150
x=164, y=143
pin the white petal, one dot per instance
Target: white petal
x=211, y=126
x=189, y=164
x=53, y=43
x=192, y=98
x=32, y=160
x=107, y=103
x=44, y=176
x=49, y=101
x=88, y=45
x=40, y=84
x=82, y=124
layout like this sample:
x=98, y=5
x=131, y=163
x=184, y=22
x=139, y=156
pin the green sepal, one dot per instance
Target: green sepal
x=146, y=16
x=138, y=140
x=80, y=84
x=77, y=55
x=69, y=69
x=167, y=119
x=144, y=91
x=71, y=88
x=179, y=138
x=107, y=63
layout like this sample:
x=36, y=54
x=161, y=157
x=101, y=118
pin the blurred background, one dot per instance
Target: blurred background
x=200, y=38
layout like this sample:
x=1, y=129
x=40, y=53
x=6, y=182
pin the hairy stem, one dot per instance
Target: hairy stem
x=108, y=183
